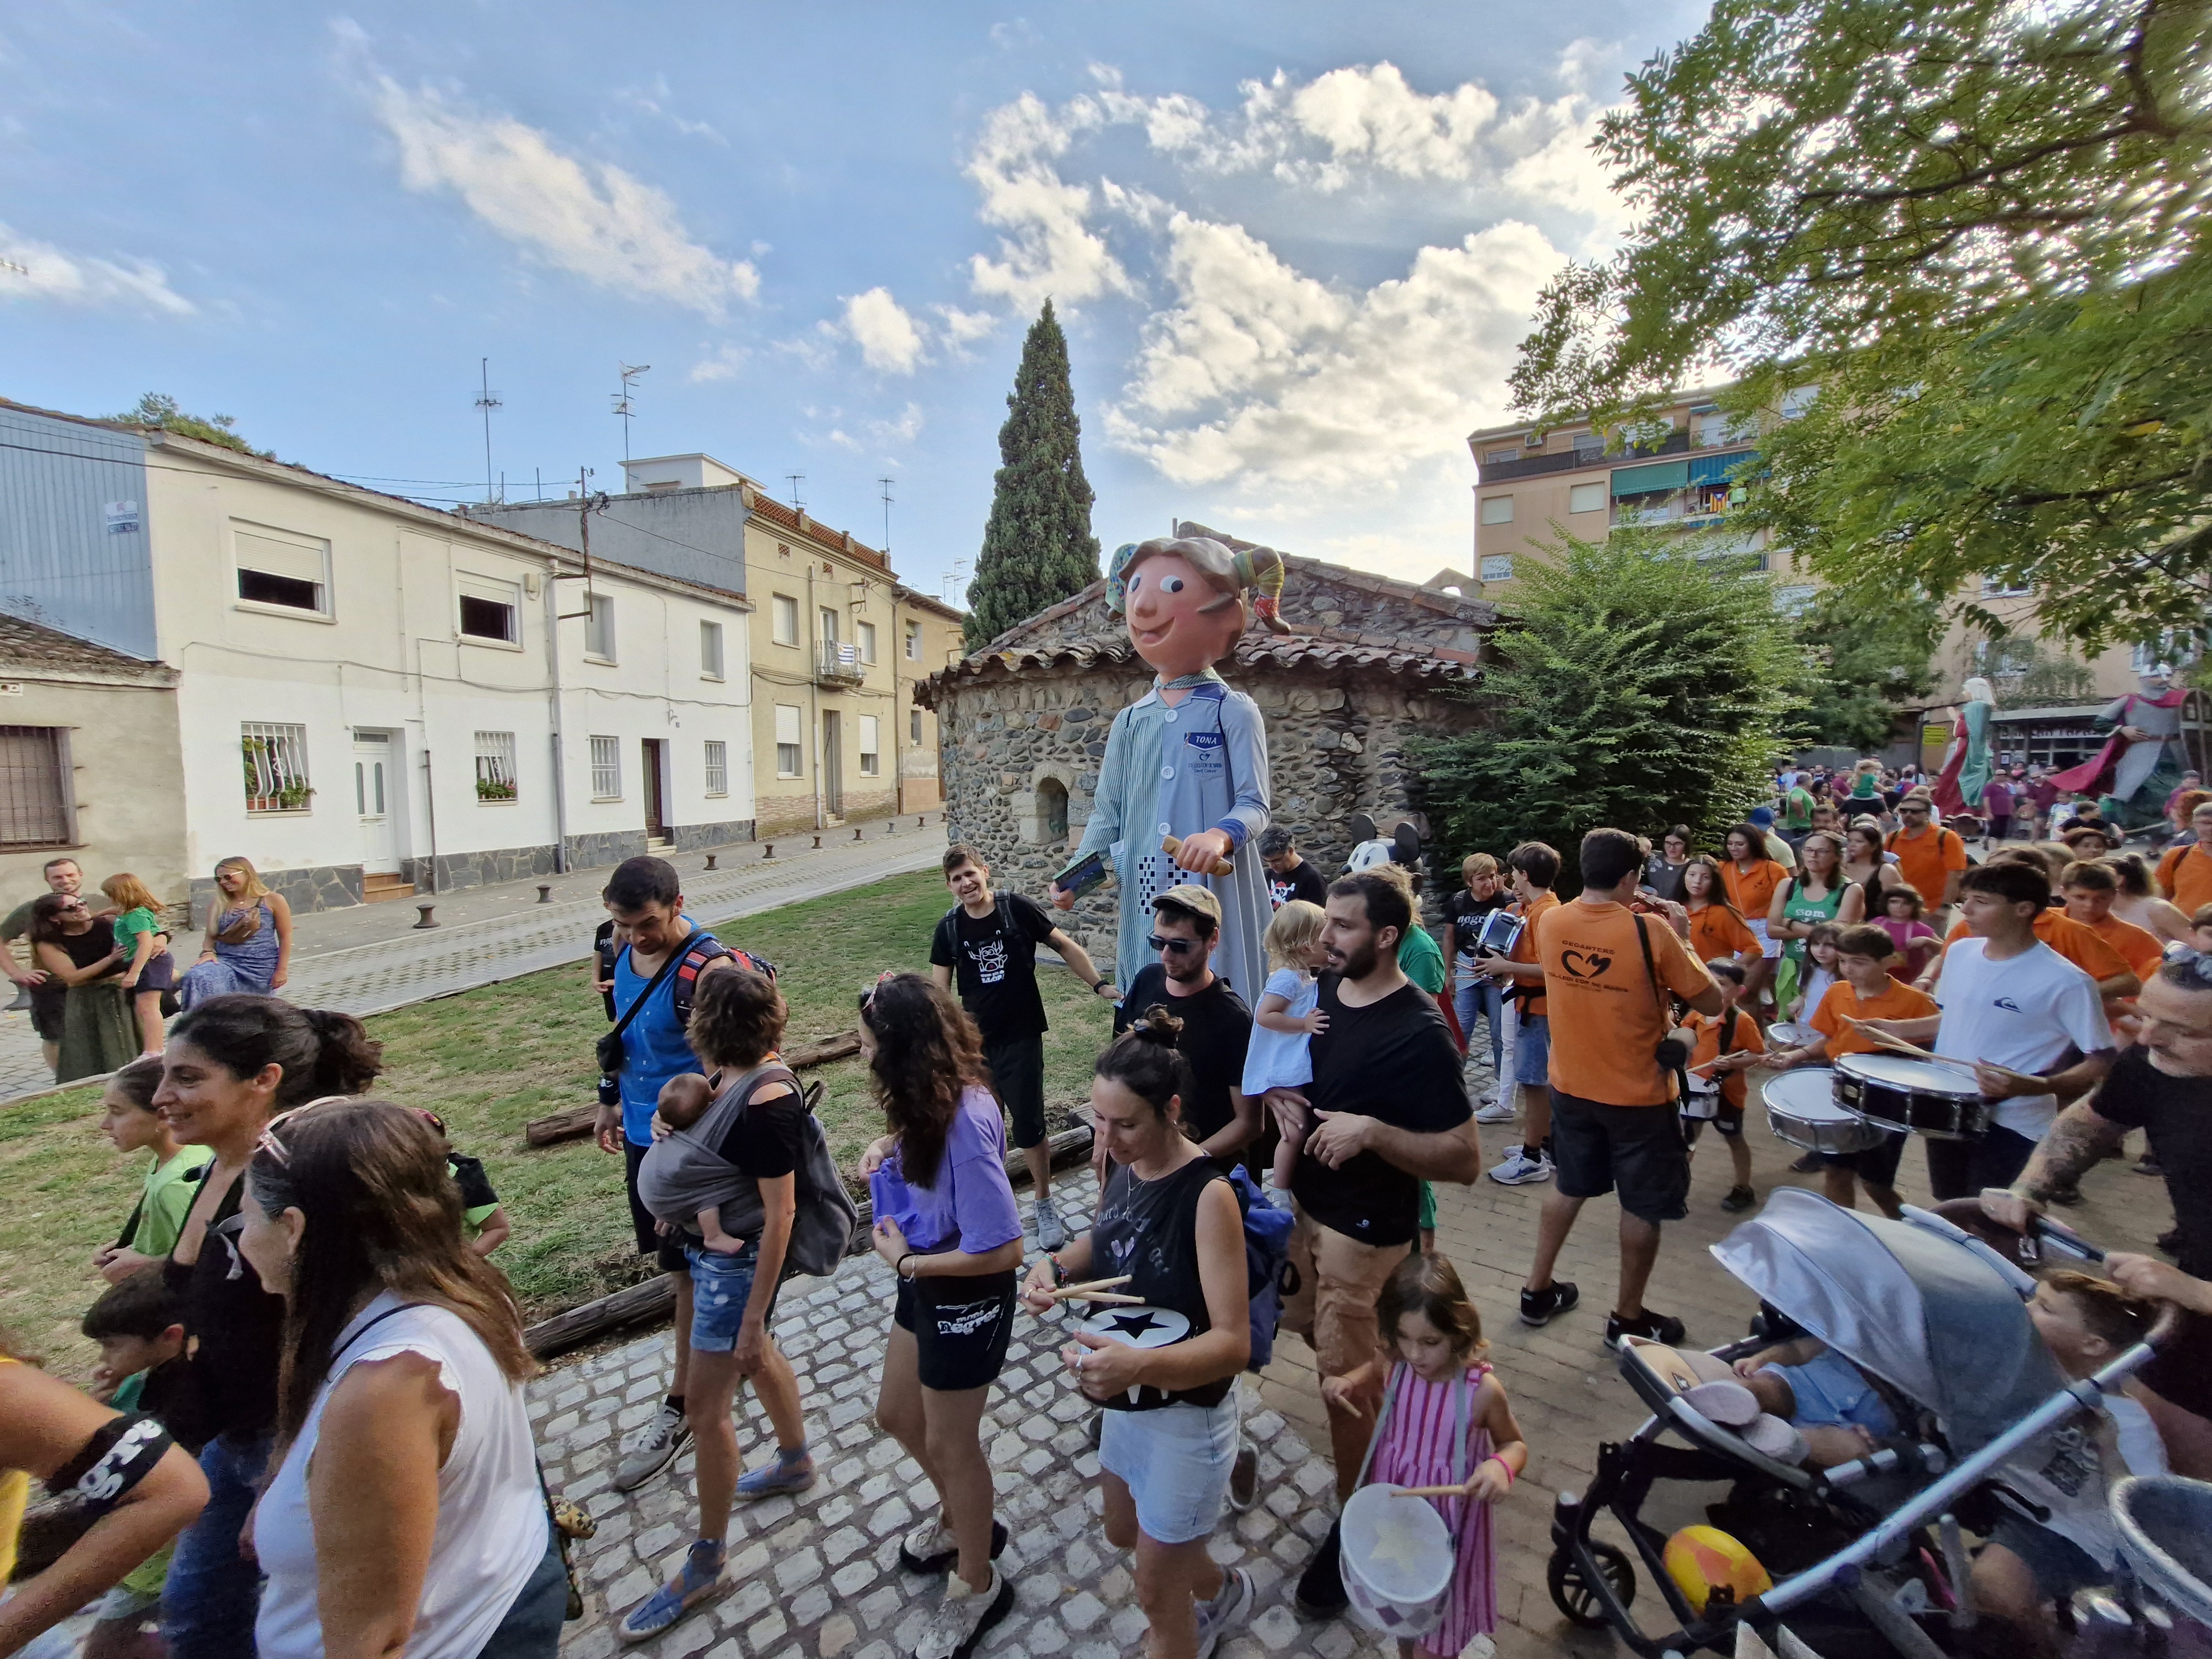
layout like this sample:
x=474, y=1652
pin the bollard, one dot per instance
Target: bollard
x=710, y=861
x=426, y=922
x=767, y=850
x=817, y=843
x=917, y=820
x=856, y=832
x=546, y=892
x=890, y=826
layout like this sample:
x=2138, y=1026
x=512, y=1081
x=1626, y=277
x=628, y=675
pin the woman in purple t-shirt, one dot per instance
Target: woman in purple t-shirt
x=946, y=1223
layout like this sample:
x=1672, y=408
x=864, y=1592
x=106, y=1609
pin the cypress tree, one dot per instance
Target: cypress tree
x=1037, y=547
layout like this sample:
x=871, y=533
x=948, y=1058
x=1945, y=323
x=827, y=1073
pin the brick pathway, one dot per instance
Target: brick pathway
x=818, y=1578
x=367, y=959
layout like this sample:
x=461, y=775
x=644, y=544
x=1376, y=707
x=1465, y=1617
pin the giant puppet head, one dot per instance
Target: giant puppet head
x=1184, y=599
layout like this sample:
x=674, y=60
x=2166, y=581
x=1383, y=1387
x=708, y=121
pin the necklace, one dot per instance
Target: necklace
x=1183, y=681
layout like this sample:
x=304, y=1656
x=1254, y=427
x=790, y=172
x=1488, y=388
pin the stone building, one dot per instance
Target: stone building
x=1024, y=719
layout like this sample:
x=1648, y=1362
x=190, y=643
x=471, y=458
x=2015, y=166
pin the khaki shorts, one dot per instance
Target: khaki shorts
x=1340, y=1280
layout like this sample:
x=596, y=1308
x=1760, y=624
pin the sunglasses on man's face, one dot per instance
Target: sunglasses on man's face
x=1178, y=945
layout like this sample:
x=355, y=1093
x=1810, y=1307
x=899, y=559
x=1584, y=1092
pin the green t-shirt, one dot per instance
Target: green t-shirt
x=1421, y=959
x=167, y=1199
x=131, y=923
x=19, y=921
x=150, y=1574
x=1797, y=809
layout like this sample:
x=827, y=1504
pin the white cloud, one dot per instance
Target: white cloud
x=961, y=328
x=591, y=219
x=48, y=273
x=1263, y=375
x=903, y=430
x=890, y=342
x=724, y=362
x=1049, y=250
x=656, y=100
x=1370, y=114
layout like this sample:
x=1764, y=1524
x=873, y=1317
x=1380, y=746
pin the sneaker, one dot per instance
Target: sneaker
x=1496, y=1111
x=1542, y=1307
x=930, y=1548
x=1230, y=1605
x=1656, y=1327
x=1244, y=1476
x=1738, y=1197
x=965, y=1617
x=653, y=1447
x=2065, y=1197
x=2148, y=1165
x=1807, y=1163
x=1488, y=1097
x=786, y=1473
x=1519, y=1169
x=1051, y=1234
x=699, y=1579
x=1319, y=1593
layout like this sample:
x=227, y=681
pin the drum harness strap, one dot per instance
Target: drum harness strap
x=1679, y=1066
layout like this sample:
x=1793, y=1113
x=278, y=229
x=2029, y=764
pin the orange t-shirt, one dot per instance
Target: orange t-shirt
x=1753, y=892
x=1896, y=1001
x=2079, y=944
x=2138, y=945
x=1606, y=1017
x=1535, y=1005
x=1744, y=1036
x=2185, y=873
x=1927, y=860
x=1718, y=931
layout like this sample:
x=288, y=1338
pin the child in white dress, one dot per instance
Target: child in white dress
x=1283, y=1023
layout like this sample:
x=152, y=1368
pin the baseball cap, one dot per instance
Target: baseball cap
x=1761, y=815
x=1194, y=902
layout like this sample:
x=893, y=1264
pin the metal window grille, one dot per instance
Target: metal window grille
x=718, y=768
x=276, y=759
x=496, y=778
x=34, y=786
x=606, y=768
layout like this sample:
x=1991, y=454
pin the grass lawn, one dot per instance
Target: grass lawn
x=486, y=1061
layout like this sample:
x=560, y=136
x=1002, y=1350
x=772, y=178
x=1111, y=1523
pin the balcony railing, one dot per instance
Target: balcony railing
x=838, y=664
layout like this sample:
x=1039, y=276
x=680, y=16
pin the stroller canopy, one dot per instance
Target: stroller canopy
x=1930, y=1313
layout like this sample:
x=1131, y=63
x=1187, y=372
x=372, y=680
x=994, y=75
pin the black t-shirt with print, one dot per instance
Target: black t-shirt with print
x=1217, y=1029
x=2176, y=1112
x=1465, y=913
x=1392, y=1061
x=1303, y=882
x=993, y=963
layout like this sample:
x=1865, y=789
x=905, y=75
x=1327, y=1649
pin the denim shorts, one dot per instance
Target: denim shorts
x=721, y=1287
x=1176, y=1461
x=1532, y=1051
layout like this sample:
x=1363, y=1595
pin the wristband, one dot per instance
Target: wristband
x=900, y=1269
x=1503, y=1464
x=1059, y=1273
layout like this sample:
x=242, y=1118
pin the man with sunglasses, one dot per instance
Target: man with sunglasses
x=1217, y=1024
x=1930, y=858
x=48, y=992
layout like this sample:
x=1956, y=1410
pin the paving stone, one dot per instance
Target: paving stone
x=853, y=1578
x=1128, y=1625
x=879, y=1605
x=792, y=1571
x=746, y=1603
x=769, y=1627
x=810, y=1604
x=837, y=1633
x=1276, y=1628
x=1081, y=1611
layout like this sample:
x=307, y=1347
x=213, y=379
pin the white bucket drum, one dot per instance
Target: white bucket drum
x=1929, y=1098
x=1802, y=1109
x=1791, y=1034
x=1144, y=1326
x=1398, y=1561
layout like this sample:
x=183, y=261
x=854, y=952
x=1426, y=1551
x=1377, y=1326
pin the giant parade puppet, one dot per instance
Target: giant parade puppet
x=1182, y=790
x=2142, y=762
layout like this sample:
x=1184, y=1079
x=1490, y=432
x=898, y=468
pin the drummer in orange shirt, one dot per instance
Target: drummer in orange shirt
x=1930, y=858
x=1863, y=990
x=2090, y=889
x=1749, y=877
x=2185, y=874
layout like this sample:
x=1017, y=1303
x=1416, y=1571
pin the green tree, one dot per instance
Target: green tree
x=1868, y=661
x=159, y=408
x=1639, y=686
x=1037, y=545
x=1979, y=228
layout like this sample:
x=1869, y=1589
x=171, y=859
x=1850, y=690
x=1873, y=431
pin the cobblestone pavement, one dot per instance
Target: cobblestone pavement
x=817, y=1577
x=367, y=959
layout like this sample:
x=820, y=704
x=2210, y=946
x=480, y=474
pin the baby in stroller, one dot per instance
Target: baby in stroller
x=1837, y=1407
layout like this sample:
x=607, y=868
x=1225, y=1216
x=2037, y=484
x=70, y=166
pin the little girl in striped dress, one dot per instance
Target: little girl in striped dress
x=1435, y=1335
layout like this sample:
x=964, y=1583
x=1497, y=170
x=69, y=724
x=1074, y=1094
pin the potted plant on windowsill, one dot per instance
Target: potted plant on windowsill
x=294, y=797
x=490, y=789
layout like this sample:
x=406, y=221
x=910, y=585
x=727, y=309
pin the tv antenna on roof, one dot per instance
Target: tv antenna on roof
x=795, y=479
x=629, y=372
x=887, y=484
x=486, y=400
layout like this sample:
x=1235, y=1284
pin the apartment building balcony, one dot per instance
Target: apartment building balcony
x=838, y=666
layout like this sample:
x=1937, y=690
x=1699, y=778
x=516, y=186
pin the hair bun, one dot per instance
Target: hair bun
x=1159, y=1025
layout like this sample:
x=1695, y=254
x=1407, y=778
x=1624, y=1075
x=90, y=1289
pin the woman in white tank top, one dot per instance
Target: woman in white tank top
x=404, y=1510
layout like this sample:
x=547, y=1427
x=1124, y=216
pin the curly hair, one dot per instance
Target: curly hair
x=737, y=1019
x=927, y=1052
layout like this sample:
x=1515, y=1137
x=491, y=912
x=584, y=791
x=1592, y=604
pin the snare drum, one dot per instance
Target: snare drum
x=1800, y=1108
x=1940, y=1101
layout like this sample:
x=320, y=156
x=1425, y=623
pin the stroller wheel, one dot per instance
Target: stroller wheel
x=1575, y=1599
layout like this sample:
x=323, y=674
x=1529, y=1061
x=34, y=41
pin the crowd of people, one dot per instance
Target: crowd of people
x=311, y=1375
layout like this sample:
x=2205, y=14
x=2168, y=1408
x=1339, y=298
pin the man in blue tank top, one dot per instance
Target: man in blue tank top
x=645, y=897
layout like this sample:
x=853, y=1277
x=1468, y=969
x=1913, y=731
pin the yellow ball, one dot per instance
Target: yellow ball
x=1702, y=1559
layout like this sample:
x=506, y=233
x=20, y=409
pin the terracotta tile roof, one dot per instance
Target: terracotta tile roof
x=797, y=523
x=30, y=647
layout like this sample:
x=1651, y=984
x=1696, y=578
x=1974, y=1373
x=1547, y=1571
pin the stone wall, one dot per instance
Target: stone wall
x=695, y=837
x=451, y=872
x=603, y=847
x=324, y=887
x=1335, y=742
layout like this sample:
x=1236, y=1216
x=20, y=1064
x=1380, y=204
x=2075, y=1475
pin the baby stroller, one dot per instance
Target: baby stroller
x=1868, y=1557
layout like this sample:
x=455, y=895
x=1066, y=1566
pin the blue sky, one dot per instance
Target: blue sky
x=1294, y=245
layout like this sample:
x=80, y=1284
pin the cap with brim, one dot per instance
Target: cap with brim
x=1191, y=901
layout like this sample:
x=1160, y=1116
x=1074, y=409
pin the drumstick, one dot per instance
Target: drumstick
x=1099, y=1296
x=1889, y=1040
x=1094, y=1285
x=1173, y=844
x=1428, y=1491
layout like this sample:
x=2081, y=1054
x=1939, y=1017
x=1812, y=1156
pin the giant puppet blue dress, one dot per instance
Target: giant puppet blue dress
x=1189, y=758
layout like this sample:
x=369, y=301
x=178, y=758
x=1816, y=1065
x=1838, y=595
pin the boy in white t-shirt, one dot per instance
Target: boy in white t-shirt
x=2014, y=1010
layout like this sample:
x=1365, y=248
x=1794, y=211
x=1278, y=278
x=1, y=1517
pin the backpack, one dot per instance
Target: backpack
x=1266, y=1262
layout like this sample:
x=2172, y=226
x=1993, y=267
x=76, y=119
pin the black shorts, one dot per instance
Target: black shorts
x=960, y=1327
x=1017, y=1068
x=1728, y=1119
x=2182, y=1376
x=1596, y=1148
x=667, y=1249
x=1876, y=1165
x=1960, y=1169
x=47, y=1002
x=159, y=974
